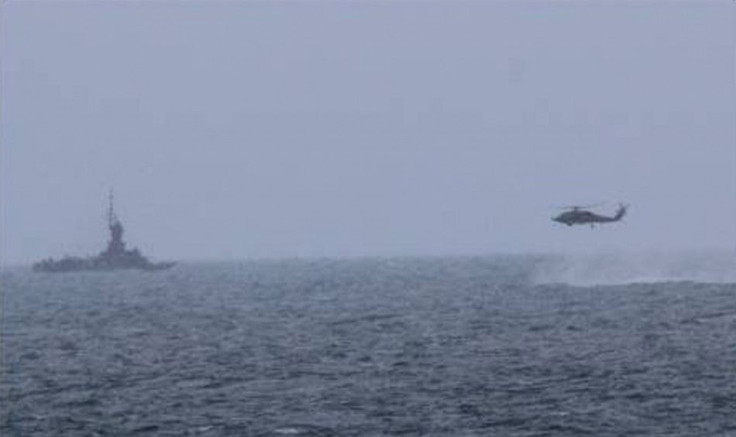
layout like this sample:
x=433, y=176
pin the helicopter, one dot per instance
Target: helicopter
x=579, y=215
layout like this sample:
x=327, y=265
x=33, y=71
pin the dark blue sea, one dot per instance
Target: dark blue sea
x=464, y=346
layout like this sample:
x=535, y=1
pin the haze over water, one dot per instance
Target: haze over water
x=235, y=130
x=358, y=195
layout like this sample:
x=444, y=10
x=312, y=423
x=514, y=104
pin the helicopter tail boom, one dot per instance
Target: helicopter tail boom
x=620, y=213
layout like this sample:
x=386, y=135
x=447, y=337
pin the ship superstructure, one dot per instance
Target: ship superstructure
x=114, y=257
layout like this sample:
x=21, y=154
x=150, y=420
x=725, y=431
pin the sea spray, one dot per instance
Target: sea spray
x=630, y=268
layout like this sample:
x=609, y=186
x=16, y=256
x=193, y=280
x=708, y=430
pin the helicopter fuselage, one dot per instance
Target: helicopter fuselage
x=578, y=216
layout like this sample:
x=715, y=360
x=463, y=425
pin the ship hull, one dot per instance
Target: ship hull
x=94, y=264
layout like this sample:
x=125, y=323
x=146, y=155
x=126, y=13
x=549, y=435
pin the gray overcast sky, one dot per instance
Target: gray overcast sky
x=270, y=129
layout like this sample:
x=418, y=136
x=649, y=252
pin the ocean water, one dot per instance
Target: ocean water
x=486, y=346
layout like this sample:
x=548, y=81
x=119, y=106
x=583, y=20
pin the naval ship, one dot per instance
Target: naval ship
x=115, y=257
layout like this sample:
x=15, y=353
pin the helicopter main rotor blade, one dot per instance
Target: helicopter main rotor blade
x=581, y=206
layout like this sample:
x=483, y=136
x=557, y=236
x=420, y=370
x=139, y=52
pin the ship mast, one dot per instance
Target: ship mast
x=115, y=246
x=110, y=211
x=111, y=217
